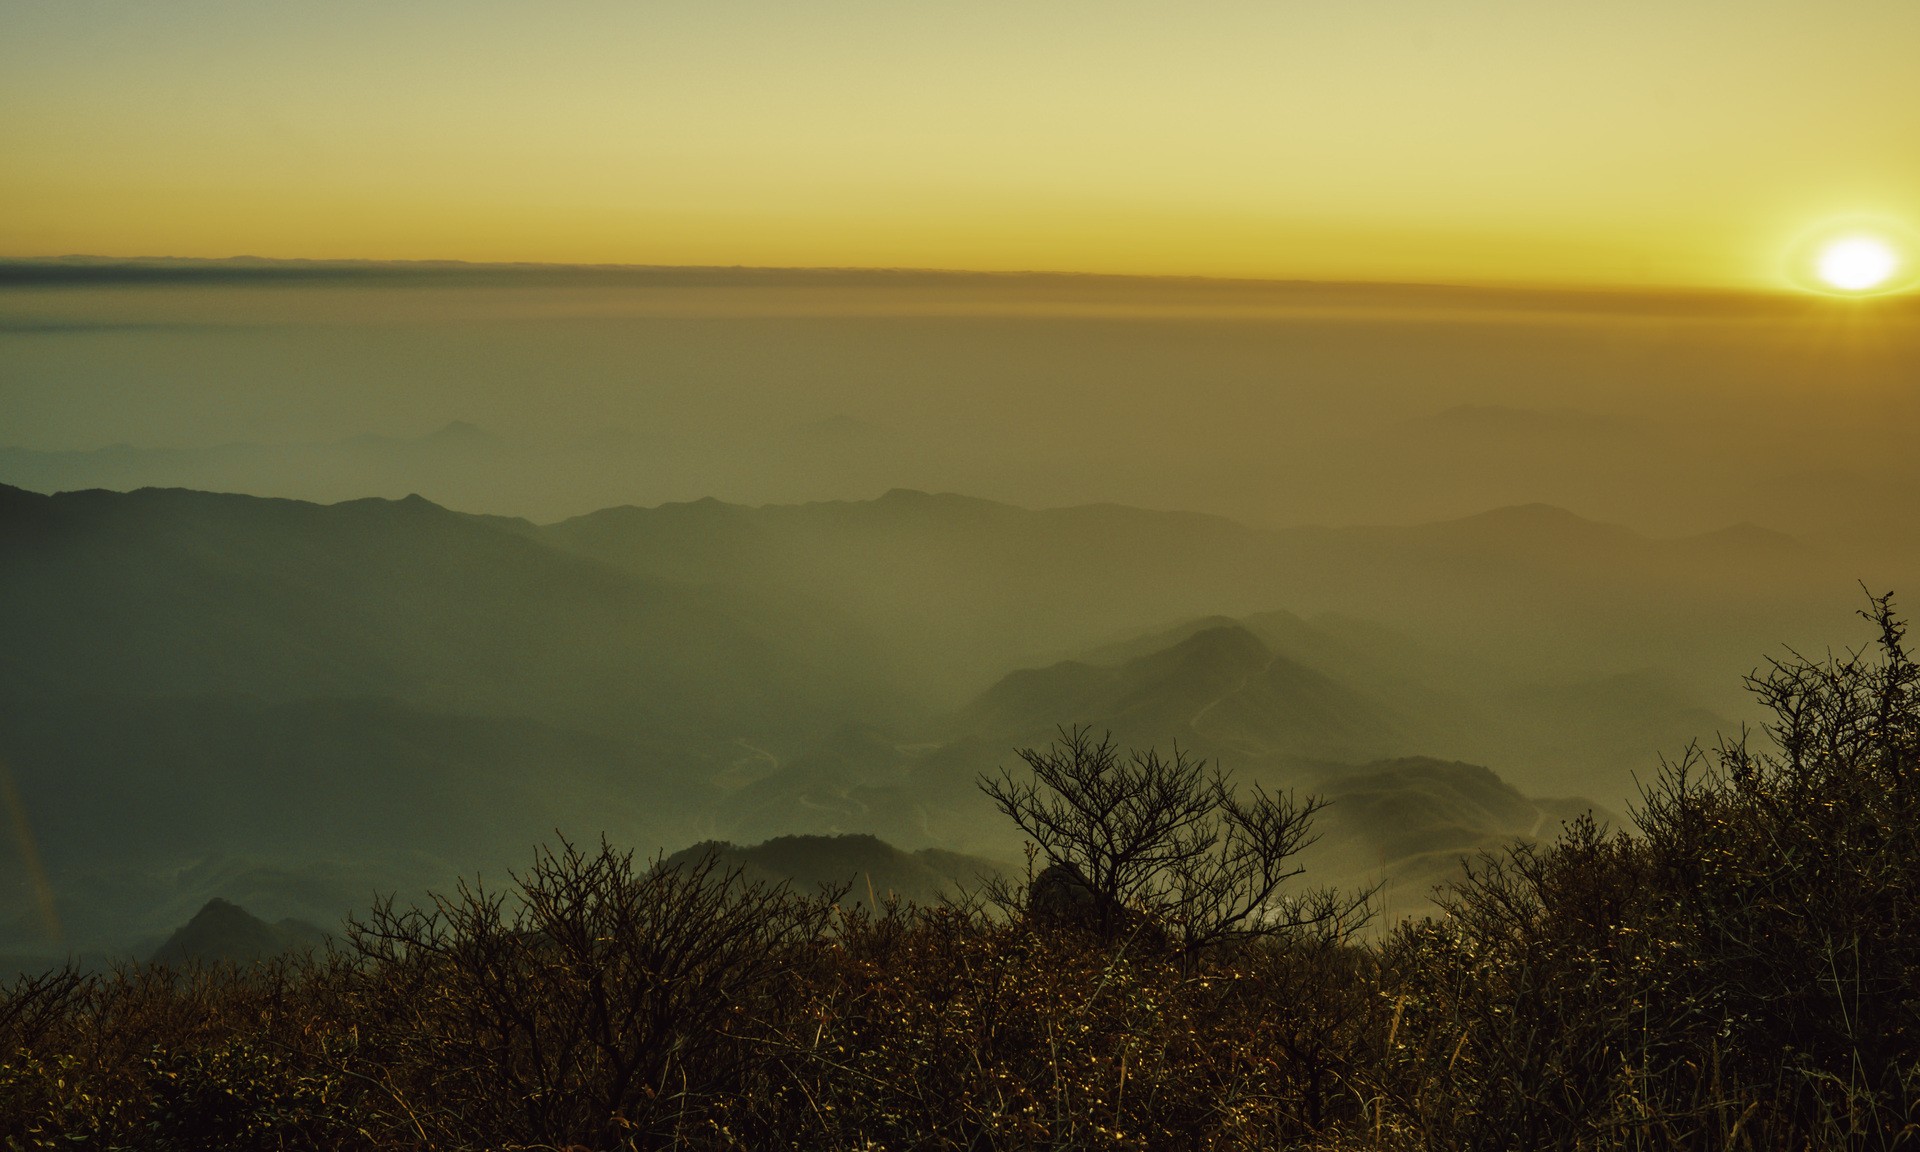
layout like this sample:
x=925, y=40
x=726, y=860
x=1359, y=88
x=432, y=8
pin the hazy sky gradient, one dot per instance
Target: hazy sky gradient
x=1635, y=142
x=1672, y=412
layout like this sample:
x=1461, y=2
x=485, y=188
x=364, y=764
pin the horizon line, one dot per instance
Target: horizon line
x=248, y=261
x=898, y=493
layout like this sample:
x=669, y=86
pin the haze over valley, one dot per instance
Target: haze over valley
x=362, y=578
x=550, y=392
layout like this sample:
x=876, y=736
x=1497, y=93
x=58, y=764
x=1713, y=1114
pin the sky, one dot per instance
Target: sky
x=1641, y=143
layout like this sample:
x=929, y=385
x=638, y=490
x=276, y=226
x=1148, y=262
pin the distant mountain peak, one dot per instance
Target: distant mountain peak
x=223, y=932
x=413, y=503
x=1229, y=643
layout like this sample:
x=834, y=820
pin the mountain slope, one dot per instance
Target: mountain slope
x=1219, y=692
x=333, y=700
x=184, y=593
x=868, y=868
x=293, y=704
x=1220, y=686
x=225, y=933
x=144, y=808
x=1408, y=823
x=990, y=586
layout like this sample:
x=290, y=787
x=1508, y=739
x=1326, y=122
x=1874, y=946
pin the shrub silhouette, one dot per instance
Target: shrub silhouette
x=1163, y=842
x=1741, y=972
x=1738, y=970
x=602, y=1006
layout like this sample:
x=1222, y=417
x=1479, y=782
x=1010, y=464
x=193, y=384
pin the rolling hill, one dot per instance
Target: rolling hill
x=292, y=705
x=1531, y=592
x=225, y=933
x=1220, y=692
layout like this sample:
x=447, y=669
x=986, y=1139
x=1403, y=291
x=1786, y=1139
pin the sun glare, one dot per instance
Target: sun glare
x=1856, y=255
x=1857, y=263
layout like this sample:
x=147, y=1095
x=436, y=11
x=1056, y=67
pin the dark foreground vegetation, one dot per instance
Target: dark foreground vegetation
x=1740, y=970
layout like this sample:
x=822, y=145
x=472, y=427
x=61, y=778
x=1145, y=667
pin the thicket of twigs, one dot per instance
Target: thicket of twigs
x=1737, y=971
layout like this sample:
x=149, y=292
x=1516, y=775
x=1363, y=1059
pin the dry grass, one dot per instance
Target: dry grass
x=1741, y=972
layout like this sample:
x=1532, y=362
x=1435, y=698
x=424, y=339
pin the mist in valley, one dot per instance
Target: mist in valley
x=321, y=580
x=549, y=393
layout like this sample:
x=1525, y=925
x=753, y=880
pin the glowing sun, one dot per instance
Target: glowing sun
x=1857, y=263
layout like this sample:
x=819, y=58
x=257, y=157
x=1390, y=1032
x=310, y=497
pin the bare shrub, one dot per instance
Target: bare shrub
x=600, y=1004
x=1741, y=970
x=1742, y=973
x=947, y=1028
x=1166, y=839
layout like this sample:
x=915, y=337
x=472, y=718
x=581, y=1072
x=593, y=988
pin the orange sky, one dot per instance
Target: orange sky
x=1633, y=142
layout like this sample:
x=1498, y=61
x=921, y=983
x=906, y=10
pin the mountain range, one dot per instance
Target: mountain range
x=293, y=705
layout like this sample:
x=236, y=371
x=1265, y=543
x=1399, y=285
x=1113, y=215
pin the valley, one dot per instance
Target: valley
x=295, y=706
